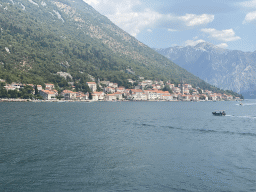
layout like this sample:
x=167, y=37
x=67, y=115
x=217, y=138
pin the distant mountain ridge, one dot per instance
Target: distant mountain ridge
x=226, y=69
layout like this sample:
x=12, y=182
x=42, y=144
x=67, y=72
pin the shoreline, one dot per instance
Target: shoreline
x=89, y=101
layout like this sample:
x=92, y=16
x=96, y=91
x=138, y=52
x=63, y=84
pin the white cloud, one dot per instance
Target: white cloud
x=172, y=30
x=222, y=45
x=122, y=13
x=193, y=43
x=224, y=35
x=149, y=30
x=248, y=4
x=193, y=20
x=135, y=22
x=250, y=17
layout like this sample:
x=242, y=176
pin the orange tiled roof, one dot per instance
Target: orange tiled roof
x=48, y=92
x=67, y=91
x=118, y=93
x=98, y=93
x=136, y=90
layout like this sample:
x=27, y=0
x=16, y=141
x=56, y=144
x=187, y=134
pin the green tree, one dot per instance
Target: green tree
x=13, y=93
x=3, y=91
x=167, y=88
x=90, y=95
x=98, y=88
x=36, y=90
x=202, y=97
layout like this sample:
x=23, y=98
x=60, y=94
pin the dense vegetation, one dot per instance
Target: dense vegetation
x=36, y=43
x=24, y=93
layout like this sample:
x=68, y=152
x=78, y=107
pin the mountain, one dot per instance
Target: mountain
x=39, y=38
x=226, y=69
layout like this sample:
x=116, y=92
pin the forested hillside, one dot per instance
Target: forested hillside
x=40, y=38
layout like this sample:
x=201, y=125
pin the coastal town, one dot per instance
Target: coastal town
x=144, y=90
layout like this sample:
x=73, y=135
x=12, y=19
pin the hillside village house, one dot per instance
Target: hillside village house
x=39, y=87
x=131, y=81
x=194, y=97
x=92, y=86
x=156, y=86
x=156, y=94
x=137, y=95
x=184, y=97
x=119, y=95
x=109, y=90
x=49, y=86
x=110, y=97
x=167, y=97
x=120, y=89
x=13, y=86
x=97, y=96
x=9, y=87
x=82, y=96
x=176, y=90
x=47, y=94
x=115, y=85
x=170, y=85
x=68, y=95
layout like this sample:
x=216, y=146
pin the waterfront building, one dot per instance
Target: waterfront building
x=47, y=94
x=92, y=86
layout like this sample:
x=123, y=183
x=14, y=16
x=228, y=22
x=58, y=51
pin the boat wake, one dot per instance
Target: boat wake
x=249, y=104
x=226, y=132
x=246, y=104
x=244, y=117
x=212, y=131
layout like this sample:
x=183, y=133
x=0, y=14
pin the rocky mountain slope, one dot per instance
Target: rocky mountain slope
x=39, y=38
x=226, y=69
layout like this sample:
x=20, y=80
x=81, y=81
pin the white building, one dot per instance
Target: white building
x=47, y=94
x=110, y=97
x=49, y=86
x=68, y=95
x=92, y=86
x=137, y=95
x=97, y=96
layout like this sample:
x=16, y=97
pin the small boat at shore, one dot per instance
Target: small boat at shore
x=219, y=113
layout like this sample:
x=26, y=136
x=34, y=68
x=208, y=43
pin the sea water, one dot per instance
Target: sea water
x=128, y=146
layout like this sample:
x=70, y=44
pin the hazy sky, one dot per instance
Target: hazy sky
x=229, y=24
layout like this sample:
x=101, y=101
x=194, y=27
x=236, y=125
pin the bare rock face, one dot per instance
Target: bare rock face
x=227, y=69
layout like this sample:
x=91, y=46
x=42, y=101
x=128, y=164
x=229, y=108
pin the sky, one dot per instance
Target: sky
x=229, y=24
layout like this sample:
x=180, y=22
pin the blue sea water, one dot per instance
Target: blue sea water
x=128, y=146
